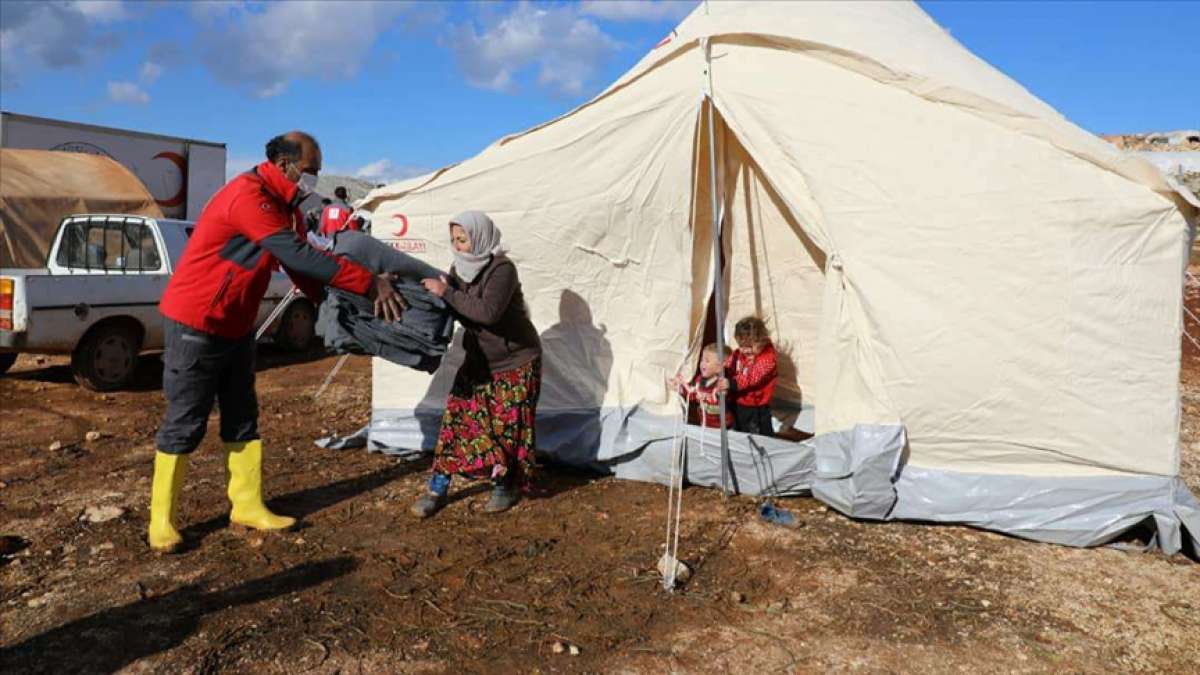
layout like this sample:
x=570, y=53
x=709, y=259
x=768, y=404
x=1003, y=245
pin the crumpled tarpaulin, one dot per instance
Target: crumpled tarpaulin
x=348, y=324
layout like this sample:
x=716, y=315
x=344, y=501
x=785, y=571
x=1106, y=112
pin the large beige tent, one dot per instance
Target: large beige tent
x=38, y=188
x=978, y=302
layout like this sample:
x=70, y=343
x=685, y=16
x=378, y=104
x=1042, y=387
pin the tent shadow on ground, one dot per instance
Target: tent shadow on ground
x=114, y=638
x=303, y=503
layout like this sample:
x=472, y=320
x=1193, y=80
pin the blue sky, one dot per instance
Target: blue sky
x=396, y=88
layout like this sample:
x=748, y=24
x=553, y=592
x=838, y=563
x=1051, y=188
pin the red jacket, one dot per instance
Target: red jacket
x=334, y=219
x=754, y=378
x=244, y=229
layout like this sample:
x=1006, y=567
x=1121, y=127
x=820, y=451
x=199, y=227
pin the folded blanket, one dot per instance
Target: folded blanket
x=347, y=322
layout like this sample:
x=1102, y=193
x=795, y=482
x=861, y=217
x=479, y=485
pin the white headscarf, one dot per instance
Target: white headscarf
x=485, y=243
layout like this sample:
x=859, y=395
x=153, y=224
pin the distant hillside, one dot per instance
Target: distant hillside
x=1176, y=153
x=357, y=187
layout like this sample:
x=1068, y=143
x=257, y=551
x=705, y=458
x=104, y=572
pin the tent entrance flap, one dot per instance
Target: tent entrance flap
x=770, y=267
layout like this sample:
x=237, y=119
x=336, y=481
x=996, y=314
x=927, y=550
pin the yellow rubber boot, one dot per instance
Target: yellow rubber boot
x=245, y=489
x=169, y=472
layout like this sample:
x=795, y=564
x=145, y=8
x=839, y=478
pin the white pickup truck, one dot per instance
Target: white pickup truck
x=97, y=298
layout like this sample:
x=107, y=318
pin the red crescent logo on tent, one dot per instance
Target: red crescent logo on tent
x=176, y=159
x=403, y=225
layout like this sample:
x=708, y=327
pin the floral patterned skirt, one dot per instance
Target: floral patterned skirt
x=488, y=427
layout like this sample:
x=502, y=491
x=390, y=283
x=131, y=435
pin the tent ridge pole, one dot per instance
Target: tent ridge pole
x=717, y=268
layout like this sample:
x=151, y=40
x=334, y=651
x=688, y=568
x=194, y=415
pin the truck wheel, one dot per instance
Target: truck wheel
x=106, y=358
x=297, y=328
x=6, y=361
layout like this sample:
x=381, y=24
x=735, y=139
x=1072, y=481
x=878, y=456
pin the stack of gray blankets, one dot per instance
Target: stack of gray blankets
x=348, y=324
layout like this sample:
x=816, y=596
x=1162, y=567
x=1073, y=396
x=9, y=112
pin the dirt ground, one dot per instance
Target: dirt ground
x=363, y=587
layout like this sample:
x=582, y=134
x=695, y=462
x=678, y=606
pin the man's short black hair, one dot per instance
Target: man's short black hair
x=340, y=192
x=281, y=146
x=326, y=201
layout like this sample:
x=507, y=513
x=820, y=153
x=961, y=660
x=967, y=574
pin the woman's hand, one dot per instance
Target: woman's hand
x=437, y=286
x=675, y=382
x=723, y=385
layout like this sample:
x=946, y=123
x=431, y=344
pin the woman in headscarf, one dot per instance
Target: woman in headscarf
x=488, y=427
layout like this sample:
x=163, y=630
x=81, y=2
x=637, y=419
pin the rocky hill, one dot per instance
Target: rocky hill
x=1174, y=152
x=357, y=187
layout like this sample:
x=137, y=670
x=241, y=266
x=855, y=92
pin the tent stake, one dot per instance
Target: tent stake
x=718, y=270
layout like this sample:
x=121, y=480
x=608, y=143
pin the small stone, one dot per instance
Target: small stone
x=256, y=542
x=39, y=602
x=300, y=541
x=737, y=598
x=68, y=549
x=682, y=572
x=92, y=436
x=56, y=446
x=574, y=649
x=558, y=648
x=102, y=514
x=985, y=603
x=3, y=485
x=106, y=546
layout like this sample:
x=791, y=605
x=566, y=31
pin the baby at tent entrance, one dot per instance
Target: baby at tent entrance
x=487, y=430
x=754, y=367
x=706, y=387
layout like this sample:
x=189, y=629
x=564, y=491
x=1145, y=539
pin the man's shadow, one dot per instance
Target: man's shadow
x=577, y=360
x=114, y=638
x=303, y=503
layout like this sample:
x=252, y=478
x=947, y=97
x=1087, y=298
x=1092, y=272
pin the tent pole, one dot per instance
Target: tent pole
x=718, y=270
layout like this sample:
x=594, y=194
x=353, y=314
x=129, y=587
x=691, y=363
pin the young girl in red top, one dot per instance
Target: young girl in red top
x=755, y=370
x=706, y=387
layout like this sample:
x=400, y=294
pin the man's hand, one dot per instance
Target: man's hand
x=436, y=286
x=675, y=382
x=388, y=303
x=723, y=385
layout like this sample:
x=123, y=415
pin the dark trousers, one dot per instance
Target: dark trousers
x=198, y=368
x=754, y=420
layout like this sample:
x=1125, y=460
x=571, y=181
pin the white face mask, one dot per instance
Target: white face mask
x=307, y=183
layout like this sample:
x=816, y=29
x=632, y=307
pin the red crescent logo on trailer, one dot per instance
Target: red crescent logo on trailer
x=176, y=159
x=403, y=225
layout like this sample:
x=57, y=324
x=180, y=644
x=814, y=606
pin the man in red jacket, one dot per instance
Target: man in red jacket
x=210, y=306
x=335, y=218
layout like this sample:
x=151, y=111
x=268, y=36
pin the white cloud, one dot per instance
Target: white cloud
x=102, y=11
x=235, y=164
x=127, y=92
x=384, y=171
x=637, y=10
x=51, y=34
x=260, y=49
x=150, y=72
x=567, y=49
